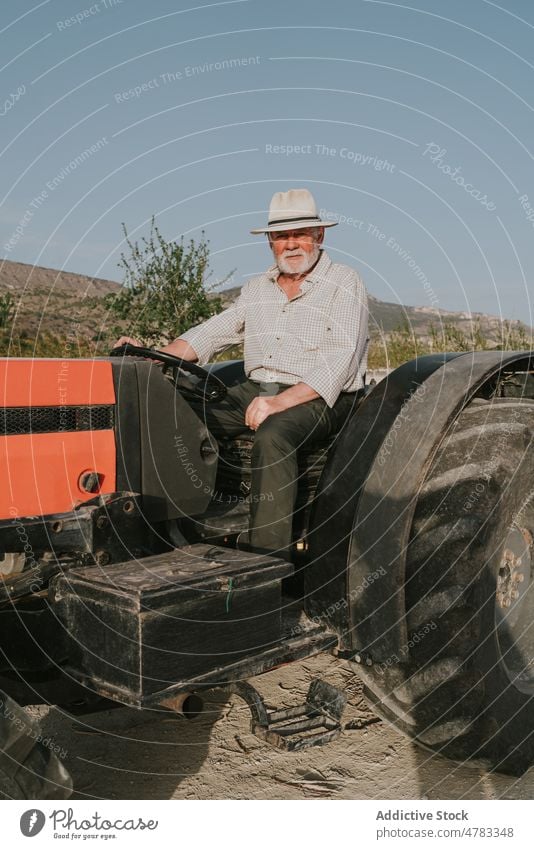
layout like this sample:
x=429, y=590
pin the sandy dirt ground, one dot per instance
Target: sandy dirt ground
x=129, y=754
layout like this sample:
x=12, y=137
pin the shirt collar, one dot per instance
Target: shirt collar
x=318, y=272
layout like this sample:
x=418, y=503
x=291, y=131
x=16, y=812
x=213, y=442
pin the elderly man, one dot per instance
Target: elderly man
x=304, y=327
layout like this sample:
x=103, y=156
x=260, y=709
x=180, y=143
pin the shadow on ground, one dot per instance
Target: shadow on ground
x=127, y=754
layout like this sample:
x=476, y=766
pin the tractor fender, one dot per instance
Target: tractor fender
x=362, y=516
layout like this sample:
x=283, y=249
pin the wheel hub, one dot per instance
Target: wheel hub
x=514, y=572
x=514, y=602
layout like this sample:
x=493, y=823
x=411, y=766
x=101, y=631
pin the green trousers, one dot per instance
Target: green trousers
x=274, y=468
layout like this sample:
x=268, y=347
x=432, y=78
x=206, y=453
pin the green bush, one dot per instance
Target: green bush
x=165, y=288
x=7, y=310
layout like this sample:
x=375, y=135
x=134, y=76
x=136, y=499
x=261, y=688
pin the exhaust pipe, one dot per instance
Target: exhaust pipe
x=188, y=705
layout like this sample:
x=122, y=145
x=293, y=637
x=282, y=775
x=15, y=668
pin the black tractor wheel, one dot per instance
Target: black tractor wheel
x=465, y=683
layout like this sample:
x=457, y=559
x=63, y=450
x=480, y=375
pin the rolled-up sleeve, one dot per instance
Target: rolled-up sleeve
x=219, y=331
x=343, y=357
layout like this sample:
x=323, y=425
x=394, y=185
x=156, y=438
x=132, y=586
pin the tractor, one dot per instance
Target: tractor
x=123, y=581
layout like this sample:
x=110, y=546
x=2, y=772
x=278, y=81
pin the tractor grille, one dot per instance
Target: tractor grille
x=21, y=420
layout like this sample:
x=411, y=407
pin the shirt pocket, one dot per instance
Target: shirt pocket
x=307, y=326
x=312, y=323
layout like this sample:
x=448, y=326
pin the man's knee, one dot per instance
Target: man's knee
x=272, y=436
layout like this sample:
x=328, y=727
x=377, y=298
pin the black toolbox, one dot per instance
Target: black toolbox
x=140, y=627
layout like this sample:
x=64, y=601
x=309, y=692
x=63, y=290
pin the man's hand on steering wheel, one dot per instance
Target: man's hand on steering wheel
x=131, y=340
x=210, y=388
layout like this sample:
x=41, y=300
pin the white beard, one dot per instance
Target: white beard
x=306, y=261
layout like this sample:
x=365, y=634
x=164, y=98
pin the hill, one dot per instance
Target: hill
x=52, y=301
x=61, y=302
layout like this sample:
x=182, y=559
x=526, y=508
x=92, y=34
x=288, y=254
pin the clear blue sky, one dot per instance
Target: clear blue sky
x=414, y=121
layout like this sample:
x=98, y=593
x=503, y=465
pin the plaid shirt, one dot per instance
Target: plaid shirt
x=318, y=338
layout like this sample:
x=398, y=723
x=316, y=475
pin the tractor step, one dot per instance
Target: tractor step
x=314, y=723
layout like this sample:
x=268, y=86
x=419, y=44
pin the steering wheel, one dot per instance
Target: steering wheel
x=210, y=389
